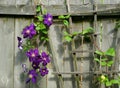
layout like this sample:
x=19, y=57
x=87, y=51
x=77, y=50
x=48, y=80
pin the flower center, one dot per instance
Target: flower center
x=43, y=70
x=30, y=75
x=49, y=19
x=28, y=31
x=44, y=59
x=33, y=55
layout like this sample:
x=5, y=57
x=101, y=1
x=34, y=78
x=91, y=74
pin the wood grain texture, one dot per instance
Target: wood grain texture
x=107, y=1
x=20, y=58
x=6, y=52
x=7, y=2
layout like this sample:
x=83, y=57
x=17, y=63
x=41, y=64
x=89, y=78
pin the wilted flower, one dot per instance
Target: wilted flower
x=32, y=54
x=43, y=71
x=25, y=69
x=20, y=43
x=45, y=58
x=32, y=75
x=29, y=31
x=48, y=19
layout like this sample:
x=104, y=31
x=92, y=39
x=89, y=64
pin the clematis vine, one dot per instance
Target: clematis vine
x=31, y=34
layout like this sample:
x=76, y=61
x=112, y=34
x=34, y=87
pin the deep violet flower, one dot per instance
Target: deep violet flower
x=43, y=71
x=32, y=75
x=20, y=43
x=32, y=54
x=35, y=64
x=48, y=19
x=45, y=58
x=29, y=31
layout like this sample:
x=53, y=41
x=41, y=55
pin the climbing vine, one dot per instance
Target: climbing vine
x=37, y=31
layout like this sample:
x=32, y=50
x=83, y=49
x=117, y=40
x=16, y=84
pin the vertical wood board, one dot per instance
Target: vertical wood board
x=6, y=52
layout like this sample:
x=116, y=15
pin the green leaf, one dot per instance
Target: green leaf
x=88, y=31
x=68, y=39
x=110, y=52
x=65, y=22
x=109, y=63
x=37, y=28
x=108, y=83
x=117, y=24
x=44, y=11
x=75, y=33
x=114, y=81
x=42, y=26
x=99, y=52
x=38, y=8
x=40, y=18
x=66, y=33
x=68, y=16
x=45, y=31
x=104, y=59
x=103, y=63
x=96, y=59
x=61, y=17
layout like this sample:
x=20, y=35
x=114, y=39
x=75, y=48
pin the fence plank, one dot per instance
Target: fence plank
x=107, y=1
x=6, y=52
x=7, y=2
x=20, y=58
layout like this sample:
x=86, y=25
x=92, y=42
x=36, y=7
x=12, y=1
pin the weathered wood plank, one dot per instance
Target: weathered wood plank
x=57, y=55
x=7, y=2
x=55, y=10
x=17, y=10
x=23, y=2
x=6, y=52
x=20, y=58
x=107, y=1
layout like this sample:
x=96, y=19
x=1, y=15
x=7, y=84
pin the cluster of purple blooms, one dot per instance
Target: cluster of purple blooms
x=39, y=61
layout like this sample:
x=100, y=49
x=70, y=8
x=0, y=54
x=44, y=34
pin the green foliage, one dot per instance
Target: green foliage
x=89, y=30
x=104, y=61
x=117, y=25
x=38, y=8
x=66, y=23
x=40, y=18
x=64, y=18
x=108, y=82
x=28, y=45
x=110, y=52
x=68, y=37
x=99, y=53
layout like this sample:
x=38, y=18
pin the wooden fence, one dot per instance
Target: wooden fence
x=65, y=71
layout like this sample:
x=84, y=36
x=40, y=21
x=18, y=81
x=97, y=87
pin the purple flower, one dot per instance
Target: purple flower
x=20, y=43
x=43, y=71
x=32, y=75
x=35, y=64
x=48, y=19
x=32, y=54
x=29, y=31
x=45, y=58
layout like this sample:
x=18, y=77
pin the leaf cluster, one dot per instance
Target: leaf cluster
x=68, y=37
x=104, y=61
x=64, y=18
x=108, y=82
